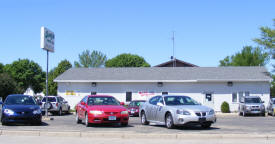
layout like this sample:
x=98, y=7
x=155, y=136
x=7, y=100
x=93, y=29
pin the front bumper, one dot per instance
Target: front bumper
x=106, y=118
x=16, y=118
x=258, y=111
x=185, y=119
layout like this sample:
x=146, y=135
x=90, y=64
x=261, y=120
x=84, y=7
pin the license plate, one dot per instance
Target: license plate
x=112, y=118
x=202, y=119
x=132, y=112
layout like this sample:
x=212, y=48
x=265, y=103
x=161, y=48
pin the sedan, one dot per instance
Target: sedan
x=20, y=108
x=271, y=107
x=171, y=110
x=133, y=108
x=95, y=109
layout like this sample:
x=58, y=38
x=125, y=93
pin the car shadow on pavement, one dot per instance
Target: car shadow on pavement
x=109, y=126
x=26, y=124
x=189, y=127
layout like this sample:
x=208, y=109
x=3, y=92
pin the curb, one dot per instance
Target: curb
x=132, y=135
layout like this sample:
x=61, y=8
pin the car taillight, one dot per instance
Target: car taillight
x=56, y=104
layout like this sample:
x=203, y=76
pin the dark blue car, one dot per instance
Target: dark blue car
x=20, y=108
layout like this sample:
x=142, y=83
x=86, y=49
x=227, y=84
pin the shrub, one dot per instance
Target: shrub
x=225, y=107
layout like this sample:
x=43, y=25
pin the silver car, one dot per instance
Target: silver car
x=251, y=105
x=271, y=107
x=171, y=110
x=56, y=105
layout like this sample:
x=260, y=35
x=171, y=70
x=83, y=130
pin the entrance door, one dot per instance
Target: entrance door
x=209, y=100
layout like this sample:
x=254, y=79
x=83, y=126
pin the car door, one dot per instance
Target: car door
x=150, y=106
x=154, y=108
x=82, y=108
x=160, y=112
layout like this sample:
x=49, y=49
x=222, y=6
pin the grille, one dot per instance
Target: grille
x=201, y=113
x=21, y=113
x=106, y=119
x=111, y=113
x=255, y=107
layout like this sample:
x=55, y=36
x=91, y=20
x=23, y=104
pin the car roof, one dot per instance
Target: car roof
x=172, y=95
x=138, y=100
x=252, y=97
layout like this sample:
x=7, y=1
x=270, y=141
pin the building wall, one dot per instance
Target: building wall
x=74, y=92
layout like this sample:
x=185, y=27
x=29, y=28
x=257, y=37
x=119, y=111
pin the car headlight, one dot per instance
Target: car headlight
x=247, y=107
x=38, y=111
x=211, y=112
x=183, y=112
x=124, y=112
x=9, y=111
x=96, y=112
x=262, y=107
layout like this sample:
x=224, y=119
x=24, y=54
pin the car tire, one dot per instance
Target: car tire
x=68, y=110
x=169, y=123
x=263, y=114
x=143, y=119
x=78, y=121
x=124, y=124
x=206, y=125
x=43, y=113
x=3, y=123
x=87, y=124
x=244, y=114
x=60, y=112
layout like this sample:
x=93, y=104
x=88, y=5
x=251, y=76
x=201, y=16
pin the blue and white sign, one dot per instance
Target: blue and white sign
x=47, y=39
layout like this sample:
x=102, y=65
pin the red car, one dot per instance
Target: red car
x=95, y=109
x=133, y=108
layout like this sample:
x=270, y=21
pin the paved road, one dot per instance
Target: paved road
x=225, y=124
x=76, y=140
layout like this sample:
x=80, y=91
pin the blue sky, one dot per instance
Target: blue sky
x=206, y=31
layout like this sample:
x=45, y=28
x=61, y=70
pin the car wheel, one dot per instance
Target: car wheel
x=87, y=124
x=263, y=114
x=77, y=118
x=60, y=112
x=68, y=110
x=169, y=121
x=43, y=112
x=206, y=125
x=143, y=119
x=244, y=114
x=124, y=124
x=240, y=113
x=3, y=123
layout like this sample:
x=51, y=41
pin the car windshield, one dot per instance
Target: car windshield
x=137, y=103
x=252, y=100
x=20, y=100
x=102, y=101
x=50, y=99
x=179, y=100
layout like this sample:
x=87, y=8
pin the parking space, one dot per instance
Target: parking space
x=225, y=124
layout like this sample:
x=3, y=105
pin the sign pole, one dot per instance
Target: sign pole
x=47, y=84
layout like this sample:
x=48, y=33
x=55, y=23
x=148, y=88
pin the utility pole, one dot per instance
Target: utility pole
x=173, y=57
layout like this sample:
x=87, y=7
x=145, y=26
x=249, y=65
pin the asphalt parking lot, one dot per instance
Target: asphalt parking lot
x=231, y=124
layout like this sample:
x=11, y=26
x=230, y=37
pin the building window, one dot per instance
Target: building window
x=234, y=97
x=93, y=93
x=128, y=96
x=164, y=93
x=208, y=97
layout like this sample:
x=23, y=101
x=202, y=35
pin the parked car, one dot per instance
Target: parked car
x=271, y=107
x=20, y=108
x=133, y=107
x=251, y=105
x=171, y=110
x=96, y=109
x=56, y=105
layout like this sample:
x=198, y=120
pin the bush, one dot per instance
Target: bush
x=225, y=107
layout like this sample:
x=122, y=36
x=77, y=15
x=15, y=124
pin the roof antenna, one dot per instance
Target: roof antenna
x=173, y=57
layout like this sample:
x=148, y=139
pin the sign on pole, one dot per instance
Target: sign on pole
x=47, y=39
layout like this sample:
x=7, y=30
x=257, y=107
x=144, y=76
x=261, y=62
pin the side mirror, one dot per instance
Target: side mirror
x=82, y=103
x=121, y=103
x=160, y=104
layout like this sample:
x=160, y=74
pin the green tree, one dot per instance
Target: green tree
x=272, y=88
x=61, y=68
x=1, y=68
x=7, y=85
x=127, y=60
x=267, y=39
x=249, y=56
x=26, y=73
x=91, y=59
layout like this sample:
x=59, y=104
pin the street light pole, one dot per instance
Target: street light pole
x=46, y=104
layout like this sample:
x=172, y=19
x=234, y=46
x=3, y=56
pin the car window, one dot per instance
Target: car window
x=137, y=103
x=20, y=100
x=154, y=100
x=50, y=99
x=179, y=100
x=252, y=100
x=85, y=99
x=102, y=101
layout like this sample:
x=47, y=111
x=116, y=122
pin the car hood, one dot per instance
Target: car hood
x=108, y=108
x=195, y=108
x=253, y=104
x=18, y=108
